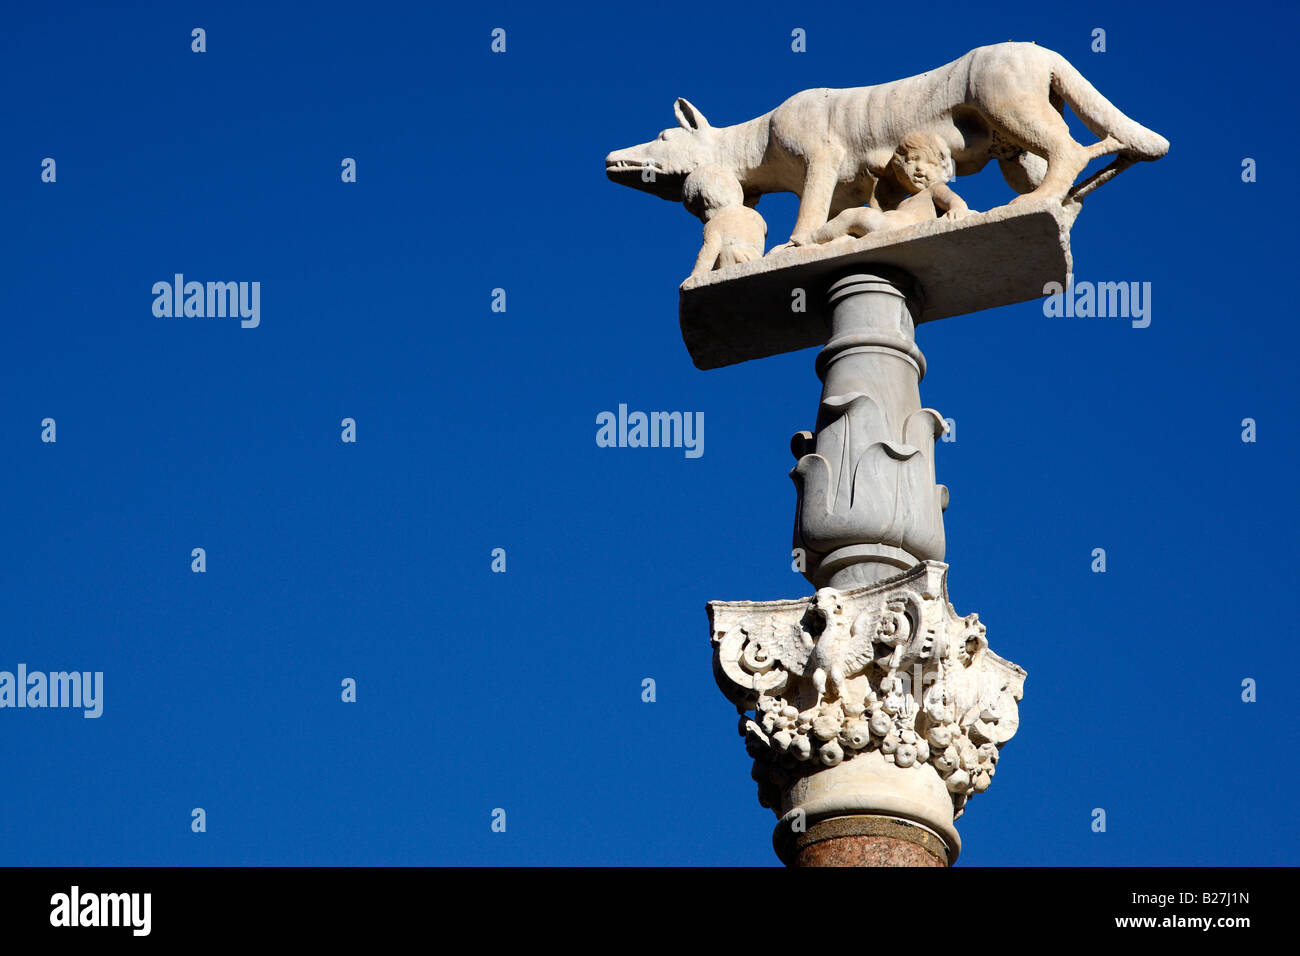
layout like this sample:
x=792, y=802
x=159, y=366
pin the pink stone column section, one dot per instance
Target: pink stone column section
x=866, y=841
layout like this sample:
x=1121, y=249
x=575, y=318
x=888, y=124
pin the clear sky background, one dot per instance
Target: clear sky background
x=476, y=430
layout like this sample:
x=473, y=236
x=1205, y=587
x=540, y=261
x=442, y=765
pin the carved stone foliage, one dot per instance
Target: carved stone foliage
x=861, y=484
x=890, y=668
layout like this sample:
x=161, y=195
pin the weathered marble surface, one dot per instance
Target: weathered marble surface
x=869, y=505
x=874, y=700
x=747, y=310
x=840, y=149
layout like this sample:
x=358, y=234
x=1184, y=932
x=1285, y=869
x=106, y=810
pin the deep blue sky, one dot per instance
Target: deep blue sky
x=477, y=430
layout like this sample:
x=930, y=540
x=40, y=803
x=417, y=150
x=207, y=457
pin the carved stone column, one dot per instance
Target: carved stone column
x=872, y=714
x=872, y=709
x=869, y=507
x=864, y=841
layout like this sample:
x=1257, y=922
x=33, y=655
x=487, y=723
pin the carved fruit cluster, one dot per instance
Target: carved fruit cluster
x=787, y=743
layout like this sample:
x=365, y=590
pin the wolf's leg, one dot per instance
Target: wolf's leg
x=1025, y=173
x=1096, y=179
x=1104, y=148
x=848, y=195
x=1036, y=126
x=815, y=199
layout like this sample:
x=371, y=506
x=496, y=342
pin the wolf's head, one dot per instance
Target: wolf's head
x=662, y=165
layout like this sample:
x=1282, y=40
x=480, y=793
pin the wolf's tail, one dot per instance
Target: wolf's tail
x=1101, y=116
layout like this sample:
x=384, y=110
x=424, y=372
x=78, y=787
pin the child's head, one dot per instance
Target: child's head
x=922, y=160
x=710, y=188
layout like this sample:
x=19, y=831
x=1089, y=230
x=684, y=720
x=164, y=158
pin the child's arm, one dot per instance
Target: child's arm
x=948, y=201
x=708, y=256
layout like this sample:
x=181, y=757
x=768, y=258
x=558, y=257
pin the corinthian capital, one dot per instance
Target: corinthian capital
x=874, y=700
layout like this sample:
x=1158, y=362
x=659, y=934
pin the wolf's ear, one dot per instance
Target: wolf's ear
x=688, y=117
